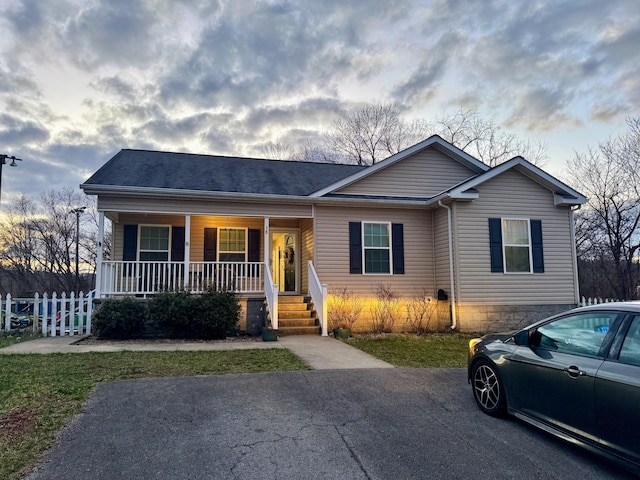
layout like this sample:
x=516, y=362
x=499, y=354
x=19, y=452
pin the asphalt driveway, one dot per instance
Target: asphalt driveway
x=329, y=424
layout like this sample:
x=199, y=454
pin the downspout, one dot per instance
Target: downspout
x=574, y=254
x=454, y=322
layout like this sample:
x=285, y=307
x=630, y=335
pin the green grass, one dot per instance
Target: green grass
x=436, y=350
x=7, y=339
x=39, y=393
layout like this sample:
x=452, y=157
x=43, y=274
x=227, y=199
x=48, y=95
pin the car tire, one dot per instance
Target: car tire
x=488, y=390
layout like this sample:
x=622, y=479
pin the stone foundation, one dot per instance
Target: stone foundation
x=502, y=318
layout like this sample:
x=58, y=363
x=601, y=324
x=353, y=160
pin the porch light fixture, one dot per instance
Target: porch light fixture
x=3, y=161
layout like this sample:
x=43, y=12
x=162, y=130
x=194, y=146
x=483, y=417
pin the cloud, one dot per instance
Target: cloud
x=227, y=77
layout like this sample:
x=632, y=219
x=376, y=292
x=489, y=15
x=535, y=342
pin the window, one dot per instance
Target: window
x=154, y=243
x=516, y=245
x=232, y=245
x=581, y=334
x=630, y=352
x=377, y=247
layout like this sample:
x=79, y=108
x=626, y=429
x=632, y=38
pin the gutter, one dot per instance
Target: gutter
x=454, y=320
x=166, y=193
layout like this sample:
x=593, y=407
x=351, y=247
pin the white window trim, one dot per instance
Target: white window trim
x=140, y=226
x=504, y=245
x=389, y=248
x=246, y=242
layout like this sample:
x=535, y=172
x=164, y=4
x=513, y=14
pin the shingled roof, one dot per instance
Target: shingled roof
x=184, y=171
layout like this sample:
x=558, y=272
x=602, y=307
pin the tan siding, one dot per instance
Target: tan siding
x=306, y=245
x=424, y=174
x=332, y=249
x=441, y=250
x=512, y=194
x=203, y=207
x=198, y=224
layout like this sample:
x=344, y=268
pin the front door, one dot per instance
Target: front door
x=285, y=260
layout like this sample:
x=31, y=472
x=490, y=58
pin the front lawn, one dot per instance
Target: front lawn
x=402, y=350
x=39, y=393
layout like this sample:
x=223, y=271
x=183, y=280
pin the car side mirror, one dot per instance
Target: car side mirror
x=522, y=338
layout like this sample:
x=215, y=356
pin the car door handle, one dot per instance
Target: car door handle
x=574, y=372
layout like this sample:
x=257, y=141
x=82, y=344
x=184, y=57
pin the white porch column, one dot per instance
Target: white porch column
x=99, y=253
x=267, y=244
x=187, y=243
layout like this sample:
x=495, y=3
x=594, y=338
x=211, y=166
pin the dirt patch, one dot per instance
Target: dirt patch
x=15, y=423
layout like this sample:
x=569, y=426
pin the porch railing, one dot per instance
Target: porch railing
x=143, y=278
x=318, y=293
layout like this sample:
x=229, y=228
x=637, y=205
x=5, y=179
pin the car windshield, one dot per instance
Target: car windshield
x=579, y=334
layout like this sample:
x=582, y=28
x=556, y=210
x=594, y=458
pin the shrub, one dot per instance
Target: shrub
x=217, y=314
x=343, y=309
x=421, y=310
x=385, y=309
x=171, y=313
x=212, y=315
x=120, y=319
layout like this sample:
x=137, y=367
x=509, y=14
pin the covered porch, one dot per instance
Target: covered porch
x=263, y=257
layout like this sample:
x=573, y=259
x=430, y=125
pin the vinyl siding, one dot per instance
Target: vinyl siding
x=332, y=249
x=306, y=254
x=441, y=251
x=421, y=175
x=198, y=224
x=202, y=207
x=513, y=195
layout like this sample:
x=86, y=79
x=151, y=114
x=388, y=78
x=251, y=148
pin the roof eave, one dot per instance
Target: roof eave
x=91, y=189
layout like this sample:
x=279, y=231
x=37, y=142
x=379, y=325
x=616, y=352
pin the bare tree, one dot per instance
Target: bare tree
x=485, y=140
x=372, y=133
x=376, y=131
x=277, y=150
x=38, y=241
x=608, y=228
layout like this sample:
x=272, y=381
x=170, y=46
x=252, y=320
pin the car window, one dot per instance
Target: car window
x=630, y=351
x=579, y=334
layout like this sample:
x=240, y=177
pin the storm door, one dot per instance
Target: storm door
x=285, y=260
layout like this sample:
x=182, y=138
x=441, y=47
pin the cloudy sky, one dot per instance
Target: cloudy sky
x=81, y=79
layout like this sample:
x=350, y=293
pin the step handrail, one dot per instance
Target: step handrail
x=271, y=294
x=318, y=293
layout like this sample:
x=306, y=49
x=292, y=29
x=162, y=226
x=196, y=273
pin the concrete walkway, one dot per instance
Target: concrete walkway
x=320, y=353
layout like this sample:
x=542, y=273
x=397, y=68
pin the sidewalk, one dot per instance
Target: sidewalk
x=320, y=353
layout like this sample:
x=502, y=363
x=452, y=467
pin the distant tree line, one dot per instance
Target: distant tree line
x=608, y=226
x=38, y=244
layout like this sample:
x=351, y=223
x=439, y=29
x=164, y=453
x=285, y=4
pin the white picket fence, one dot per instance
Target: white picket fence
x=52, y=315
x=597, y=301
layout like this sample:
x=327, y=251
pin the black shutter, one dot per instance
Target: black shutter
x=254, y=245
x=210, y=244
x=130, y=243
x=177, y=244
x=536, y=244
x=397, y=248
x=495, y=244
x=355, y=247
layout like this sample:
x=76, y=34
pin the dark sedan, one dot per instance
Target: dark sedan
x=575, y=375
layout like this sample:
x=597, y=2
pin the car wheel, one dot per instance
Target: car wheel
x=487, y=389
